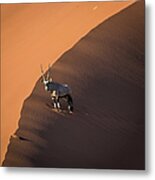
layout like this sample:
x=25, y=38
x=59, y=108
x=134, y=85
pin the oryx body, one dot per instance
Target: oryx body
x=57, y=91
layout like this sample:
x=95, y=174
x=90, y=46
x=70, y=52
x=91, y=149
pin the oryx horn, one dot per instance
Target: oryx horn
x=42, y=72
x=48, y=73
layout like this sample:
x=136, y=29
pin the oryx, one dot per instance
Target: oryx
x=57, y=91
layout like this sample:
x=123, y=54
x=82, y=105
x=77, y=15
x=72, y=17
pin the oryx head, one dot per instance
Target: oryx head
x=46, y=78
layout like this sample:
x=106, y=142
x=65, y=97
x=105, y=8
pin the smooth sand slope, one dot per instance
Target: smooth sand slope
x=106, y=72
x=32, y=34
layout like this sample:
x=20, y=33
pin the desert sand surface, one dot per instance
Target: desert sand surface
x=105, y=70
x=32, y=34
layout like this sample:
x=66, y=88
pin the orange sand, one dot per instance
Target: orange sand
x=34, y=34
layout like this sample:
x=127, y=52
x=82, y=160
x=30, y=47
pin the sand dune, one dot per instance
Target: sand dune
x=106, y=72
x=32, y=34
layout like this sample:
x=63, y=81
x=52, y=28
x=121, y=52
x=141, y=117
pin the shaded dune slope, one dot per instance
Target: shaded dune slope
x=105, y=70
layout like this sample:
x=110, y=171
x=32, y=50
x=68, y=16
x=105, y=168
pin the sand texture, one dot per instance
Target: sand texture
x=105, y=70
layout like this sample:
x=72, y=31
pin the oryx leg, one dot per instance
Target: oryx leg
x=58, y=103
x=55, y=99
x=70, y=103
x=54, y=102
